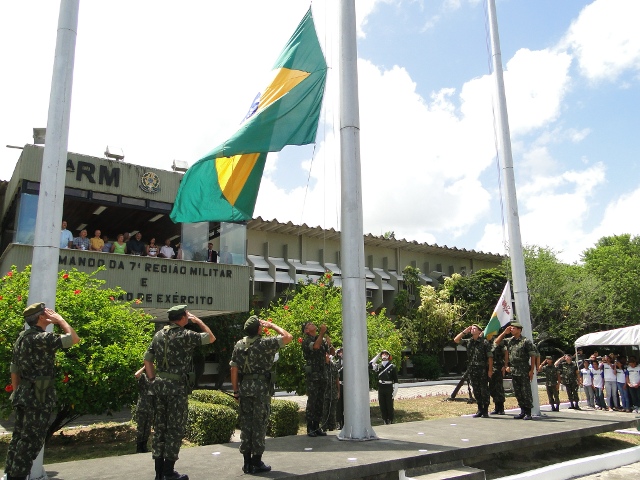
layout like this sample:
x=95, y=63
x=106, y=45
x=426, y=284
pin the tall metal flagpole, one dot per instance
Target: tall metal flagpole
x=46, y=244
x=520, y=292
x=354, y=321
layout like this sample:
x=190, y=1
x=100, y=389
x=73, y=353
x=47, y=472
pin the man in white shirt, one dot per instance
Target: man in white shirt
x=66, y=237
x=610, y=385
x=167, y=250
x=633, y=383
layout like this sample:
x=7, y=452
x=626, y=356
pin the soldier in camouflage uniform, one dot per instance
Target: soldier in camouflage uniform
x=251, y=363
x=570, y=377
x=32, y=379
x=479, y=366
x=331, y=395
x=314, y=348
x=552, y=381
x=521, y=362
x=337, y=360
x=145, y=409
x=496, y=387
x=168, y=364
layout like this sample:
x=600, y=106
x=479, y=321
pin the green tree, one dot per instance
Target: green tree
x=406, y=301
x=321, y=303
x=477, y=294
x=434, y=322
x=96, y=375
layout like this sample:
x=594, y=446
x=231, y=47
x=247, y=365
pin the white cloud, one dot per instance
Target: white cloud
x=606, y=39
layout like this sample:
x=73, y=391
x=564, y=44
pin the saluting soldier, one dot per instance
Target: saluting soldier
x=251, y=363
x=314, y=349
x=479, y=366
x=387, y=384
x=32, y=378
x=168, y=364
x=552, y=382
x=570, y=376
x=521, y=362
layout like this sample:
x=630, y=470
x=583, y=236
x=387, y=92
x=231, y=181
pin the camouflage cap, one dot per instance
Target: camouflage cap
x=176, y=312
x=33, y=309
x=252, y=325
x=516, y=324
x=549, y=357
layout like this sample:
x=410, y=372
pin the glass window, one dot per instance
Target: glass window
x=195, y=237
x=27, y=211
x=233, y=243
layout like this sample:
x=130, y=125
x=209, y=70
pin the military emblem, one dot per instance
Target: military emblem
x=150, y=183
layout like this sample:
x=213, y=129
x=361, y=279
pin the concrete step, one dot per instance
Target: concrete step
x=458, y=473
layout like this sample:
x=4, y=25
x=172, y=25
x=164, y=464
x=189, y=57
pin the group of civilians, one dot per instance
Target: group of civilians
x=126, y=244
x=611, y=382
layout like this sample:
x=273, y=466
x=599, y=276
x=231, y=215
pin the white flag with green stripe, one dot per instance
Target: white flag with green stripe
x=502, y=314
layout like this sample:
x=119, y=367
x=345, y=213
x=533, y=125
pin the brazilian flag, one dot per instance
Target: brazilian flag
x=223, y=185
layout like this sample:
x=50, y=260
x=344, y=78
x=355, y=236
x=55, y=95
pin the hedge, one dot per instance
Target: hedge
x=283, y=419
x=210, y=423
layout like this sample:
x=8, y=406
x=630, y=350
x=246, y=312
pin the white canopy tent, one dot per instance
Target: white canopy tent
x=627, y=336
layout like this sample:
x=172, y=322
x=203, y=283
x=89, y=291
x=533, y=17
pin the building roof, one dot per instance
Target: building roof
x=289, y=228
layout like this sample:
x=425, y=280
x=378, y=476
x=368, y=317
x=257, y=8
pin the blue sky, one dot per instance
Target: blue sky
x=167, y=82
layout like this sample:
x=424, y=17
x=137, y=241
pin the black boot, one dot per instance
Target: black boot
x=478, y=413
x=12, y=477
x=311, y=431
x=485, y=411
x=557, y=407
x=521, y=416
x=248, y=467
x=577, y=407
x=258, y=465
x=527, y=414
x=141, y=447
x=170, y=474
x=159, y=468
x=319, y=431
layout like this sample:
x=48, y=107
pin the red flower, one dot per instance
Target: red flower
x=112, y=299
x=9, y=274
x=0, y=297
x=373, y=313
x=138, y=301
x=19, y=298
x=266, y=331
x=66, y=378
x=65, y=276
x=286, y=307
x=329, y=275
x=8, y=388
x=321, y=284
x=76, y=292
x=299, y=340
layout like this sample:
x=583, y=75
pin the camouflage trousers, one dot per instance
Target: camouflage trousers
x=27, y=440
x=480, y=384
x=496, y=388
x=254, y=417
x=522, y=390
x=144, y=420
x=572, y=391
x=329, y=409
x=170, y=424
x=553, y=394
x=340, y=408
x=316, y=386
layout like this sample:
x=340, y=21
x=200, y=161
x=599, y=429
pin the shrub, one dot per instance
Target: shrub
x=425, y=366
x=210, y=423
x=215, y=397
x=283, y=419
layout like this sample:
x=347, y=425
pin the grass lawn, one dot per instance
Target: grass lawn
x=111, y=439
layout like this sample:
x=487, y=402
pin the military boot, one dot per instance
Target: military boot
x=557, y=407
x=485, y=411
x=311, y=431
x=13, y=477
x=170, y=474
x=159, y=468
x=258, y=465
x=521, y=415
x=248, y=467
x=478, y=413
x=319, y=431
x=527, y=414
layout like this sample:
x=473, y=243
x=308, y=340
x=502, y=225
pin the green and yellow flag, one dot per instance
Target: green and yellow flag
x=223, y=185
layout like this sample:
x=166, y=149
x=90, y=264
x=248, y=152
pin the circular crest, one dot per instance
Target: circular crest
x=150, y=183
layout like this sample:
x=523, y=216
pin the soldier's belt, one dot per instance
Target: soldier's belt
x=384, y=382
x=169, y=376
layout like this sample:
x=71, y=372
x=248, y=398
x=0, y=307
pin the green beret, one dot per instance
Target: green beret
x=251, y=325
x=33, y=309
x=176, y=312
x=516, y=324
